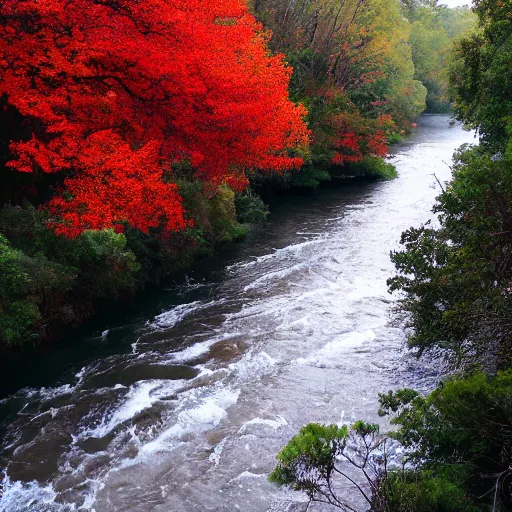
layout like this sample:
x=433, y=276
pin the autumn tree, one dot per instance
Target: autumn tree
x=352, y=68
x=113, y=94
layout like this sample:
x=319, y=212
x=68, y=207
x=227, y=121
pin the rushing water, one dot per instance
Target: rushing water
x=182, y=408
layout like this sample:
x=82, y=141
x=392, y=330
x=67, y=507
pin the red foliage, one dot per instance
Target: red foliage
x=345, y=133
x=116, y=92
x=356, y=138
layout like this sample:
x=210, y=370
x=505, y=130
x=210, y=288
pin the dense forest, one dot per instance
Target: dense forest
x=455, y=283
x=137, y=137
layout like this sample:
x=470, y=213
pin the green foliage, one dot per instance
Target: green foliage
x=310, y=177
x=457, y=443
x=18, y=311
x=303, y=60
x=62, y=277
x=250, y=208
x=481, y=74
x=147, y=249
x=434, y=29
x=313, y=461
x=407, y=102
x=459, y=438
x=106, y=268
x=396, y=90
x=223, y=220
x=25, y=227
x=456, y=278
x=307, y=462
x=372, y=167
x=213, y=212
x=394, y=138
x=98, y=260
x=426, y=491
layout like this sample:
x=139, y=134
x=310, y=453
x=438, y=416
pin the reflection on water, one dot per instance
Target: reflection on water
x=182, y=406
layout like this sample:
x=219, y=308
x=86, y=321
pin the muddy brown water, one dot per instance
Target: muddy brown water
x=182, y=406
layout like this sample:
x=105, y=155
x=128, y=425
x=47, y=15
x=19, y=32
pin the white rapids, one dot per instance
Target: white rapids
x=189, y=415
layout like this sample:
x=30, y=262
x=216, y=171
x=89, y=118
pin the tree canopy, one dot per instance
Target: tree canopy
x=114, y=93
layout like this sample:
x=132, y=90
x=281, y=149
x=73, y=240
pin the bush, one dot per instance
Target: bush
x=424, y=491
x=461, y=434
x=223, y=220
x=394, y=138
x=250, y=208
x=309, y=177
x=213, y=213
x=148, y=252
x=18, y=309
x=25, y=228
x=106, y=268
x=99, y=260
x=61, y=277
x=372, y=167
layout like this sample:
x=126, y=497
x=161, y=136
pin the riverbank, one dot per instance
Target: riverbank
x=54, y=284
x=33, y=364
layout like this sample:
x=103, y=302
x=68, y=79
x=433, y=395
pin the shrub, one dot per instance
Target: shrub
x=18, y=309
x=25, y=228
x=461, y=434
x=309, y=177
x=250, y=208
x=212, y=211
x=394, y=138
x=372, y=167
x=106, y=268
x=223, y=220
x=62, y=277
x=425, y=491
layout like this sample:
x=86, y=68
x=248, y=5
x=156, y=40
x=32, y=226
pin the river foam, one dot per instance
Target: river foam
x=188, y=410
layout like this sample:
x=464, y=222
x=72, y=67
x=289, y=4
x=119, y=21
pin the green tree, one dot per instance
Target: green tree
x=320, y=456
x=434, y=31
x=18, y=309
x=459, y=437
x=482, y=74
x=456, y=278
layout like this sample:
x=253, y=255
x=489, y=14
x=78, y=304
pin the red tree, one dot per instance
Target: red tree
x=342, y=132
x=117, y=91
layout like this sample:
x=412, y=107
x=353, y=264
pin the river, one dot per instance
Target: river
x=182, y=405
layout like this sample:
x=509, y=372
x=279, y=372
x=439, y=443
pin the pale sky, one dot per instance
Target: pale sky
x=455, y=3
